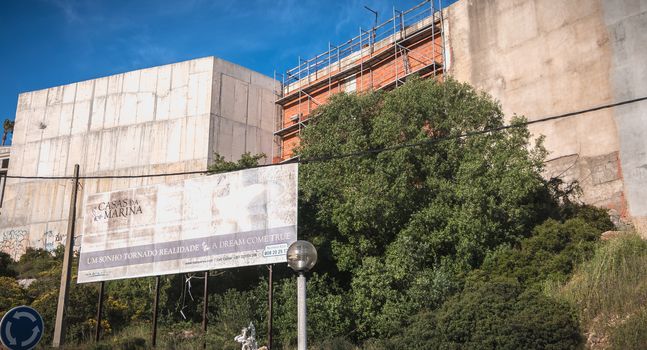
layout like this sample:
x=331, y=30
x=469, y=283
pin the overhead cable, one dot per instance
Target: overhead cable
x=351, y=154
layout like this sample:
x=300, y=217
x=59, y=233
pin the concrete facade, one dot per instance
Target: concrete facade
x=171, y=118
x=539, y=59
x=543, y=58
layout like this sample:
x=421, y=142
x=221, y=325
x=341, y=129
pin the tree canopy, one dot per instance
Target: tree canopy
x=406, y=222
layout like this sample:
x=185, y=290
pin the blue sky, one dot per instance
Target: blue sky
x=45, y=43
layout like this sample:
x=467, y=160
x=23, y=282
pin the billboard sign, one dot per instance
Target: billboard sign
x=242, y=218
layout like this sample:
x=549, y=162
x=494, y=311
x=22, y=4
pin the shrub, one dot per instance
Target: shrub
x=11, y=295
x=130, y=343
x=553, y=250
x=495, y=314
x=35, y=261
x=5, y=265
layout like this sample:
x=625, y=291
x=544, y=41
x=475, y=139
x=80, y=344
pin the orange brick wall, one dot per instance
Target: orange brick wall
x=376, y=76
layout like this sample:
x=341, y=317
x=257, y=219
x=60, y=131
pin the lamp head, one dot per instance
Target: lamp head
x=302, y=256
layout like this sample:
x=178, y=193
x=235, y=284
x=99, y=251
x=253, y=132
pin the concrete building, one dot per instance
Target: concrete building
x=538, y=58
x=171, y=118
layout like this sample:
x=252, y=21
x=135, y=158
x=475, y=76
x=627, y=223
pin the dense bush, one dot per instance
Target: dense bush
x=496, y=314
x=6, y=269
x=129, y=343
x=11, y=295
x=552, y=251
x=36, y=261
x=329, y=313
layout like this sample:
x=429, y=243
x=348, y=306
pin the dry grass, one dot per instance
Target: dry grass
x=610, y=292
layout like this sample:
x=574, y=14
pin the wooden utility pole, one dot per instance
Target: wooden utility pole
x=66, y=273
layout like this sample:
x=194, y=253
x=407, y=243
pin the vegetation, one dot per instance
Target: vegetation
x=495, y=314
x=5, y=262
x=7, y=129
x=610, y=291
x=441, y=242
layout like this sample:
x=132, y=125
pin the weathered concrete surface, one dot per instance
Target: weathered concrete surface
x=626, y=22
x=543, y=58
x=170, y=118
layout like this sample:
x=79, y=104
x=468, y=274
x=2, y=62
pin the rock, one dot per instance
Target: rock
x=188, y=334
x=610, y=235
x=25, y=283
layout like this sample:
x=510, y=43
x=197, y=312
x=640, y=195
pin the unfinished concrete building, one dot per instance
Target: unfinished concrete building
x=165, y=119
x=538, y=58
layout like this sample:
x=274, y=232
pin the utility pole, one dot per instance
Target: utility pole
x=66, y=273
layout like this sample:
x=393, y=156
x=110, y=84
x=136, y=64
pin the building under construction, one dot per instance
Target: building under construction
x=410, y=43
x=537, y=58
x=582, y=60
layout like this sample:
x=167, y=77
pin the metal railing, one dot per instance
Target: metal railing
x=334, y=58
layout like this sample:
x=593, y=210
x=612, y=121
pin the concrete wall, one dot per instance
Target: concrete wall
x=170, y=118
x=542, y=58
x=626, y=23
x=242, y=108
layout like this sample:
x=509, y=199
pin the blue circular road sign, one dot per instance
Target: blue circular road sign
x=21, y=328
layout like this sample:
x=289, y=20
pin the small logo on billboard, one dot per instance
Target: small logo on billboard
x=116, y=209
x=275, y=250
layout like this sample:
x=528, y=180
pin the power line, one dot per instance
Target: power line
x=351, y=154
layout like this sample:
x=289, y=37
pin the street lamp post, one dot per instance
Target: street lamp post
x=302, y=256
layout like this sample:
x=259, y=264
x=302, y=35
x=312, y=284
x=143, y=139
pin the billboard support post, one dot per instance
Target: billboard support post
x=270, y=292
x=155, y=311
x=66, y=273
x=97, y=331
x=205, y=308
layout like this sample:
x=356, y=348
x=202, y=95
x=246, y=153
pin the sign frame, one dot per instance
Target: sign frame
x=235, y=219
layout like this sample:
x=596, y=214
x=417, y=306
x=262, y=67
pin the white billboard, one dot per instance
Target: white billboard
x=242, y=218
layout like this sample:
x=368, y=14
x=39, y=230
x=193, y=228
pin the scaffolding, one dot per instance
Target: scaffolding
x=411, y=42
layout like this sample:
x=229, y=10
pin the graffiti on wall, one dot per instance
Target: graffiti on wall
x=51, y=240
x=14, y=242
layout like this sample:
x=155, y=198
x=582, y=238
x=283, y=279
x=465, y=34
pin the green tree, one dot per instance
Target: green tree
x=329, y=312
x=407, y=223
x=247, y=160
x=8, y=128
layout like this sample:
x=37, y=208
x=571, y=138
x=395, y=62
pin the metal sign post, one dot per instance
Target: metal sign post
x=205, y=308
x=270, y=293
